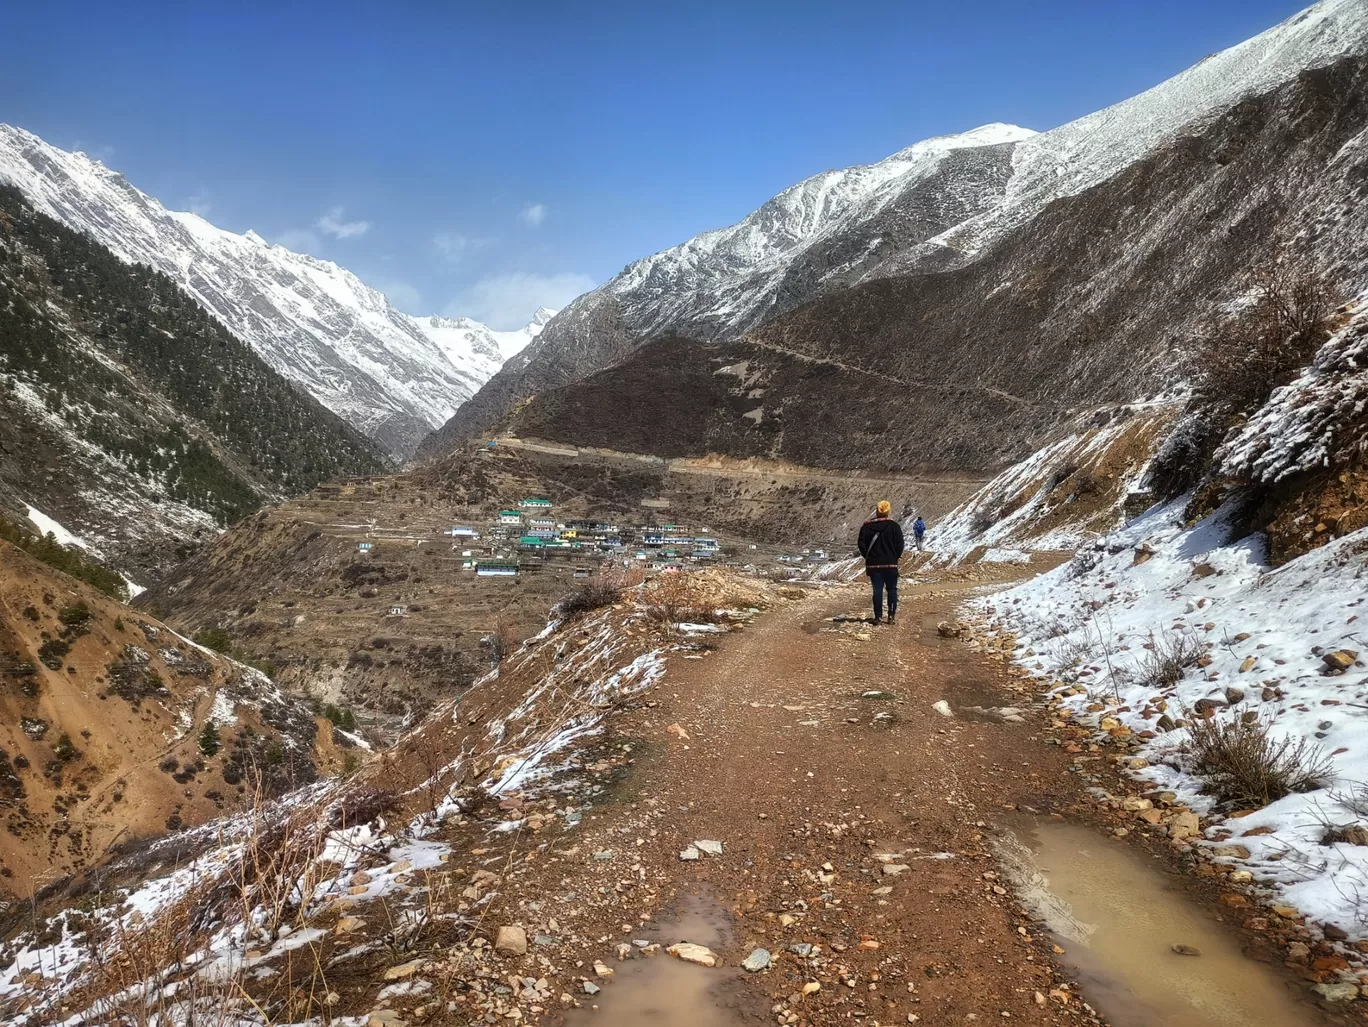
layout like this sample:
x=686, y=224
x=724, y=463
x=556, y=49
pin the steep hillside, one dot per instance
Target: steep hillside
x=1087, y=305
x=131, y=416
x=943, y=203
x=391, y=376
x=113, y=728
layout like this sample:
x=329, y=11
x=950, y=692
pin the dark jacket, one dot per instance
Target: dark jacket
x=881, y=543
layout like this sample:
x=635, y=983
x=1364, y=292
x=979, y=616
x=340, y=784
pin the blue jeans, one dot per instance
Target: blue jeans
x=884, y=579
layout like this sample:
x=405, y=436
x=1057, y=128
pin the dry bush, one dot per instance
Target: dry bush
x=592, y=595
x=678, y=597
x=1245, y=767
x=1167, y=657
x=503, y=639
x=1240, y=360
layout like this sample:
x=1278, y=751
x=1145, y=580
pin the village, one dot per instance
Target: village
x=527, y=536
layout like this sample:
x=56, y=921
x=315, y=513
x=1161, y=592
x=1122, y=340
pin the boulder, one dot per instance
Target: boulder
x=1184, y=825
x=1340, y=659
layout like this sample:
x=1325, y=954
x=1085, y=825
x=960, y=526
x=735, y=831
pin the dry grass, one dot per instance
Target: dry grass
x=1168, y=655
x=1246, y=767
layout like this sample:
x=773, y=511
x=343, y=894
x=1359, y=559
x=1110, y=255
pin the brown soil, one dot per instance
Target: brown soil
x=101, y=709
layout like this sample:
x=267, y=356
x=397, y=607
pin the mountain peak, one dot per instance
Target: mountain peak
x=315, y=322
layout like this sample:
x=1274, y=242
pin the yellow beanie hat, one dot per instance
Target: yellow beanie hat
x=884, y=507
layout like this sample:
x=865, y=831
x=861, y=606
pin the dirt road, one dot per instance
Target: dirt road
x=851, y=815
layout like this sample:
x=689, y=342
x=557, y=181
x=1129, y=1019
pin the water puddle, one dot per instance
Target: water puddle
x=1118, y=919
x=662, y=991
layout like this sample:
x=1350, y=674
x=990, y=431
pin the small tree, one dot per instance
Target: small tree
x=209, y=743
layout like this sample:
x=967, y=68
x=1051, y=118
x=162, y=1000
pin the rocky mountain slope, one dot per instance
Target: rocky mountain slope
x=391, y=376
x=916, y=229
x=113, y=728
x=131, y=416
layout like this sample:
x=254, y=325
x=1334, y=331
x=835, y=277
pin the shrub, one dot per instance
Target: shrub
x=216, y=639
x=341, y=716
x=209, y=743
x=588, y=597
x=1167, y=656
x=75, y=616
x=64, y=749
x=1245, y=767
x=1240, y=360
x=52, y=652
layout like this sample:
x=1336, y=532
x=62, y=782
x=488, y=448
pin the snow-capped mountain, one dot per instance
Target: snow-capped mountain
x=938, y=204
x=390, y=375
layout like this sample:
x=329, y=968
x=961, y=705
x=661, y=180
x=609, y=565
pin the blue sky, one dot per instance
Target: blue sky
x=485, y=158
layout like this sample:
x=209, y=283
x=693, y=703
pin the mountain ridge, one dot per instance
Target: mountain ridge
x=938, y=208
x=391, y=375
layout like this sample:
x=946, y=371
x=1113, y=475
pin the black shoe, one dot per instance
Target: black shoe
x=892, y=620
x=877, y=622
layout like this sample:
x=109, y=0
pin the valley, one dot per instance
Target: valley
x=367, y=669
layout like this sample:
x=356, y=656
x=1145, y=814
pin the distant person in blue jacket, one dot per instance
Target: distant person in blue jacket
x=919, y=530
x=881, y=545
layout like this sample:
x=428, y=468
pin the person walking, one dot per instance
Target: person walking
x=881, y=545
x=919, y=530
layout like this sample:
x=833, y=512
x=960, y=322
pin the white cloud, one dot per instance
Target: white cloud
x=199, y=204
x=453, y=246
x=332, y=224
x=301, y=240
x=402, y=295
x=533, y=214
x=508, y=301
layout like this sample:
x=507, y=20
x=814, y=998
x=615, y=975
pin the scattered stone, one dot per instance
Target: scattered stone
x=893, y=869
x=708, y=847
x=885, y=890
x=347, y=924
x=406, y=970
x=678, y=732
x=602, y=969
x=1234, y=695
x=384, y=1018
x=692, y=953
x=801, y=948
x=603, y=855
x=689, y=854
x=756, y=961
x=1240, y=877
x=1186, y=950
x=1341, y=992
x=590, y=988
x=1230, y=851
x=811, y=988
x=511, y=940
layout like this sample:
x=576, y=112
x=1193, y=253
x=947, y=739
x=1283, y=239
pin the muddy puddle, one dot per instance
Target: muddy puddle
x=1118, y=918
x=662, y=991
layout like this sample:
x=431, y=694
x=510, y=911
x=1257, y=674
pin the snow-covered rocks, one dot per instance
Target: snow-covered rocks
x=1097, y=621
